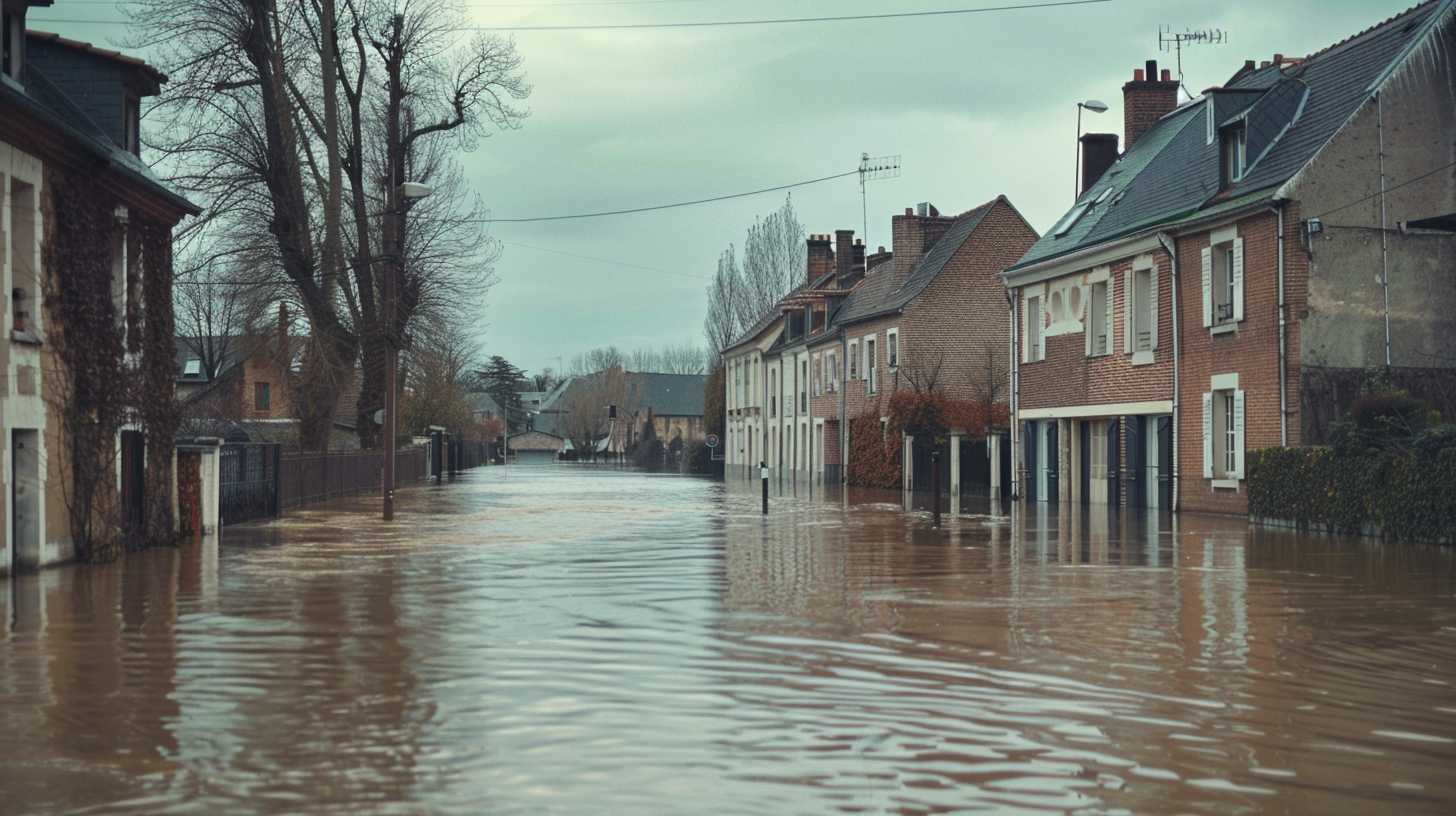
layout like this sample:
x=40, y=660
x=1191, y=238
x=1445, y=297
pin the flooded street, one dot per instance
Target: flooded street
x=575, y=641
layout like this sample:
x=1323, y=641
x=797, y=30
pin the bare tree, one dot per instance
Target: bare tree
x=588, y=404
x=597, y=360
x=441, y=363
x=216, y=315
x=773, y=262
x=722, y=326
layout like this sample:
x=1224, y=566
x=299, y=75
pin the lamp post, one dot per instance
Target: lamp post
x=1095, y=106
x=400, y=199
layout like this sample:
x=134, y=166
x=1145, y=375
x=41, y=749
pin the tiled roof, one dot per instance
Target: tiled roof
x=1172, y=171
x=116, y=56
x=773, y=314
x=880, y=293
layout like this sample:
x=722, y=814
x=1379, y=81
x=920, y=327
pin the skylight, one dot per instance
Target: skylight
x=1070, y=219
x=192, y=368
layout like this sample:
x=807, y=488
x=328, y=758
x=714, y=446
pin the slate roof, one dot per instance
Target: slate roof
x=41, y=98
x=1291, y=112
x=773, y=314
x=670, y=394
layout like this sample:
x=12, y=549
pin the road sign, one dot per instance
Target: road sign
x=711, y=441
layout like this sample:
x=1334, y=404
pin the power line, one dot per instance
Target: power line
x=843, y=18
x=1387, y=190
x=604, y=260
x=695, y=202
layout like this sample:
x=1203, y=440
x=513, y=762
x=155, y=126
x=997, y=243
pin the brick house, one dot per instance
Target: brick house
x=1206, y=282
x=832, y=349
x=85, y=253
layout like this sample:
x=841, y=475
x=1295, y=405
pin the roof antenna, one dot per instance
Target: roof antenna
x=1170, y=40
x=879, y=167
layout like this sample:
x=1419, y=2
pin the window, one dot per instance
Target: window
x=1233, y=153
x=1070, y=219
x=1223, y=279
x=1223, y=431
x=773, y=393
x=1143, y=310
x=262, y=399
x=25, y=309
x=192, y=368
x=1034, y=349
x=831, y=372
x=132, y=122
x=871, y=363
x=1098, y=447
x=803, y=386
x=10, y=34
x=1099, y=311
x=818, y=374
x=854, y=360
x=892, y=347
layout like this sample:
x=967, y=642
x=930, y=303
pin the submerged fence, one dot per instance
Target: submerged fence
x=261, y=481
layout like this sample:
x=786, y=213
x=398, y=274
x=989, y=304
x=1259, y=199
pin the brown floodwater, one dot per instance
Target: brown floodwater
x=573, y=641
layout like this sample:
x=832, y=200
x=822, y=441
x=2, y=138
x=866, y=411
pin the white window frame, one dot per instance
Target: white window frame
x=892, y=348
x=1223, y=277
x=831, y=365
x=1099, y=278
x=1035, y=320
x=816, y=364
x=1224, y=411
x=854, y=359
x=872, y=364
x=1234, y=139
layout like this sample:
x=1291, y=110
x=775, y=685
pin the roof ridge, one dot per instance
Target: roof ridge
x=1371, y=29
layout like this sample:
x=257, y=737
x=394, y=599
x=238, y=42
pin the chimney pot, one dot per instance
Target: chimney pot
x=1248, y=65
x=1137, y=75
x=1166, y=76
x=909, y=210
x=1278, y=59
x=1264, y=64
x=1152, y=66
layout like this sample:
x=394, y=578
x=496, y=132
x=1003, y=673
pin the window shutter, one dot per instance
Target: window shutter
x=1207, y=287
x=1207, y=435
x=1238, y=273
x=1129, y=300
x=1025, y=329
x=1041, y=333
x=1107, y=324
x=1238, y=434
x=1153, y=304
x=1087, y=327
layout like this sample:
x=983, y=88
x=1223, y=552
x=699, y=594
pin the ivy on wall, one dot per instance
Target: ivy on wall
x=91, y=391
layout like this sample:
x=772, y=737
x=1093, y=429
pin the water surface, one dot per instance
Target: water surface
x=578, y=641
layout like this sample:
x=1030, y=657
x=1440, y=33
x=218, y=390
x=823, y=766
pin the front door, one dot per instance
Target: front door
x=1053, y=454
x=133, y=481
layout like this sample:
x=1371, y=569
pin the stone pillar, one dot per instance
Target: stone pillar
x=993, y=451
x=955, y=474
x=907, y=472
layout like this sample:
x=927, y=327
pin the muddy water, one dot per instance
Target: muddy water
x=577, y=642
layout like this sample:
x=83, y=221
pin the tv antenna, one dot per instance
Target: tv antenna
x=1170, y=40
x=870, y=169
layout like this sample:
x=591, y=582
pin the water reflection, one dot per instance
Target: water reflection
x=583, y=641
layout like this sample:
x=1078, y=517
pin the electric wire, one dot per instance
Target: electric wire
x=842, y=18
x=1387, y=190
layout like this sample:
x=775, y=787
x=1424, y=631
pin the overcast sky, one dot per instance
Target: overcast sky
x=977, y=105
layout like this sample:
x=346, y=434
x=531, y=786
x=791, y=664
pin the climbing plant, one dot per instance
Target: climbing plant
x=86, y=390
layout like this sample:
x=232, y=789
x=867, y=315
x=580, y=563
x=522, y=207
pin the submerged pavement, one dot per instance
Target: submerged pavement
x=595, y=641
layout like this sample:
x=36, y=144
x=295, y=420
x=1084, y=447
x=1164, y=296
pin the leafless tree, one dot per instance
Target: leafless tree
x=990, y=382
x=586, y=408
x=216, y=315
x=440, y=361
x=773, y=262
x=721, y=326
x=597, y=360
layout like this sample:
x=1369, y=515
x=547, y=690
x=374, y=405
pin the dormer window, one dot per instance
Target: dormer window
x=192, y=368
x=10, y=41
x=132, y=123
x=1233, y=148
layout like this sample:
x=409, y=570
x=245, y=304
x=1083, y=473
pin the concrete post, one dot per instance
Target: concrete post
x=993, y=452
x=955, y=474
x=907, y=472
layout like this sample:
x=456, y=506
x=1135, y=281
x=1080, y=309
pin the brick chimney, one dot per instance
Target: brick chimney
x=856, y=267
x=821, y=257
x=1099, y=151
x=1145, y=100
x=843, y=253
x=914, y=234
x=880, y=256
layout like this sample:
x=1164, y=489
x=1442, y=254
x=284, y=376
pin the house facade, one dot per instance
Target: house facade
x=838, y=346
x=1249, y=247
x=85, y=254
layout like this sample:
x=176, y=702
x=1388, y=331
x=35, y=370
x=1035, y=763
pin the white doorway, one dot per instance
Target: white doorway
x=24, y=499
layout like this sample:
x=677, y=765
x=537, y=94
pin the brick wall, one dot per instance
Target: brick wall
x=1252, y=352
x=1067, y=376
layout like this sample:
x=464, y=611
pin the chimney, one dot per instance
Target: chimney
x=1145, y=100
x=820, y=257
x=858, y=261
x=843, y=253
x=856, y=267
x=1099, y=151
x=880, y=256
x=915, y=234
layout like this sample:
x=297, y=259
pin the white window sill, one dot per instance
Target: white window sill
x=1142, y=358
x=1224, y=328
x=1225, y=484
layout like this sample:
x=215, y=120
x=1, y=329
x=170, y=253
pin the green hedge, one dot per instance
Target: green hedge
x=1406, y=495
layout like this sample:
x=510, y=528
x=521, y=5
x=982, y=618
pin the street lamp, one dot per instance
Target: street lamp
x=401, y=198
x=1096, y=106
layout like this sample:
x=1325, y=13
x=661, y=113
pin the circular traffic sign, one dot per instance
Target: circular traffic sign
x=712, y=440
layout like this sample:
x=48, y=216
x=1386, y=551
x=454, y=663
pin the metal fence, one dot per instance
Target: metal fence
x=260, y=481
x=309, y=478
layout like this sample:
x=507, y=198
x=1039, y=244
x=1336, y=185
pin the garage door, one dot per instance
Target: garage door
x=535, y=457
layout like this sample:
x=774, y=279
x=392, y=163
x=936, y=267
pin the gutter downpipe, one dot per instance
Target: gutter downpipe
x=1283, y=347
x=1015, y=398
x=1170, y=247
x=1384, y=236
